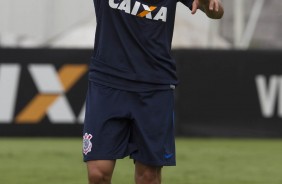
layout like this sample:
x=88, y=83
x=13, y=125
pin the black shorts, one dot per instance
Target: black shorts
x=119, y=123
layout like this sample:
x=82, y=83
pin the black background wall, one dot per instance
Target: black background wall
x=229, y=93
x=220, y=94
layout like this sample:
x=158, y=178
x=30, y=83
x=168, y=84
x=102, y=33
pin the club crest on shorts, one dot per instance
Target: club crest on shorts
x=87, y=145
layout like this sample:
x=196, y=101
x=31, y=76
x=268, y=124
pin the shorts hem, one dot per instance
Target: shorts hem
x=103, y=157
x=153, y=163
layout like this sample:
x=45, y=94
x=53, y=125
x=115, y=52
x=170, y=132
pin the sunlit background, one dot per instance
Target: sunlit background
x=247, y=24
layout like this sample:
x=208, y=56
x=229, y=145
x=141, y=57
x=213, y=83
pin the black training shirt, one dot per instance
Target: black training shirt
x=132, y=49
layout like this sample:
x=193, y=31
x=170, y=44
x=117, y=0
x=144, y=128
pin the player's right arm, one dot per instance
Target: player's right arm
x=212, y=8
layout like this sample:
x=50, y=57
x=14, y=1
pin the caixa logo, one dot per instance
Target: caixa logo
x=49, y=100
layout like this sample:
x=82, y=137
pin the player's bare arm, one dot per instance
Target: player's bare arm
x=212, y=8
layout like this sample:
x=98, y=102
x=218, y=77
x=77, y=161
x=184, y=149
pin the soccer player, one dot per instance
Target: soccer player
x=132, y=77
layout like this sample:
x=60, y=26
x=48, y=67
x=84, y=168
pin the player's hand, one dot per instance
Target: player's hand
x=212, y=4
x=213, y=8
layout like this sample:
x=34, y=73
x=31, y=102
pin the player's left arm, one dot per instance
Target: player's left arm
x=212, y=8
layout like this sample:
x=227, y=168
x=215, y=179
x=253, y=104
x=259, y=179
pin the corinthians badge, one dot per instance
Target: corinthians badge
x=87, y=145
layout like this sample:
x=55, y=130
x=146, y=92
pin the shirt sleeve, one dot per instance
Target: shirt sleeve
x=187, y=3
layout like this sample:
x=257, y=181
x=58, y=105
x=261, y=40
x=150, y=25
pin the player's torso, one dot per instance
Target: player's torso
x=144, y=26
x=133, y=40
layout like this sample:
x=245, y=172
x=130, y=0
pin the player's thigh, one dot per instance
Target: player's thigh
x=141, y=168
x=102, y=168
x=147, y=173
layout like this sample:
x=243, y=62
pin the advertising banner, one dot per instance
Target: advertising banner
x=229, y=93
x=42, y=92
x=220, y=93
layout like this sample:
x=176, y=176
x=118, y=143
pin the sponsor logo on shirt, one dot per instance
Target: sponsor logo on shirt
x=140, y=10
